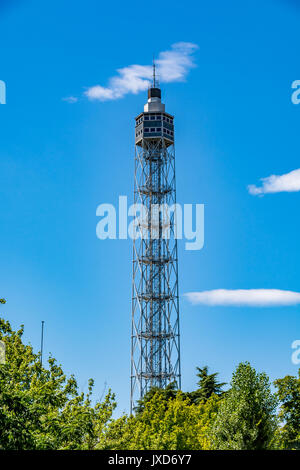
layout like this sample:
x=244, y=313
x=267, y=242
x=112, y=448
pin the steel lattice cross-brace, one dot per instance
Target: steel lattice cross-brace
x=155, y=341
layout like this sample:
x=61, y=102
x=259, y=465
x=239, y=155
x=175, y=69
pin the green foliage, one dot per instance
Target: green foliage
x=174, y=424
x=246, y=418
x=288, y=392
x=168, y=393
x=207, y=386
x=41, y=408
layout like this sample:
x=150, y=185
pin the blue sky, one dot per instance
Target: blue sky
x=235, y=123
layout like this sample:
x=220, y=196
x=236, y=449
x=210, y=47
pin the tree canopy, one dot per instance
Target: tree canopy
x=247, y=416
x=208, y=385
x=41, y=408
x=288, y=393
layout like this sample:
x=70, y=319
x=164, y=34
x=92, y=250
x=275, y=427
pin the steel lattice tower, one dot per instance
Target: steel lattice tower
x=155, y=342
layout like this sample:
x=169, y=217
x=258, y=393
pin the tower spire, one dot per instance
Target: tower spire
x=154, y=93
x=154, y=74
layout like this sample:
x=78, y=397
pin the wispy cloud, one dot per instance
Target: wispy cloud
x=245, y=297
x=70, y=99
x=289, y=182
x=172, y=66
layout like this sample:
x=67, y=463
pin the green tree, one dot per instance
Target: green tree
x=174, y=424
x=41, y=408
x=246, y=419
x=288, y=392
x=207, y=386
x=168, y=393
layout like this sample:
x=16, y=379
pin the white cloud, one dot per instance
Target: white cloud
x=71, y=99
x=289, y=182
x=245, y=297
x=172, y=66
x=131, y=79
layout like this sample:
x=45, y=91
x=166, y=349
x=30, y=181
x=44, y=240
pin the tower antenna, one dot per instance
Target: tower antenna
x=154, y=74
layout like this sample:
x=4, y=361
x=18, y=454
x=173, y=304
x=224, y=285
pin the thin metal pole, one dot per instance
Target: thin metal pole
x=42, y=342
